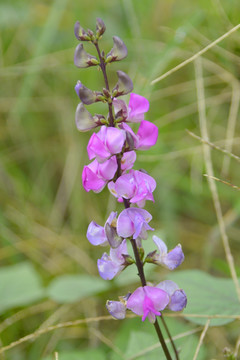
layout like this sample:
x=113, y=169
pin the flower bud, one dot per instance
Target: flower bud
x=82, y=59
x=80, y=33
x=124, y=84
x=100, y=27
x=84, y=120
x=112, y=236
x=118, y=52
x=86, y=95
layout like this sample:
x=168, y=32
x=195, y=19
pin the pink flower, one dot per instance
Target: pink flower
x=133, y=222
x=95, y=176
x=135, y=110
x=107, y=142
x=136, y=186
x=148, y=301
x=146, y=136
x=111, y=265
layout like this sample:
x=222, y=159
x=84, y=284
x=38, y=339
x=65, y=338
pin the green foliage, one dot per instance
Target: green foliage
x=207, y=295
x=71, y=288
x=95, y=354
x=20, y=285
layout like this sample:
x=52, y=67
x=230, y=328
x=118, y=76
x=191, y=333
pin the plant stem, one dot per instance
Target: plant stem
x=103, y=68
x=126, y=202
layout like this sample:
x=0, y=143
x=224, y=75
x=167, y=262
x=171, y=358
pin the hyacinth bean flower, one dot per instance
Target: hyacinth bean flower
x=135, y=110
x=148, y=301
x=107, y=142
x=171, y=259
x=111, y=265
x=96, y=234
x=146, y=136
x=136, y=186
x=178, y=298
x=95, y=176
x=134, y=222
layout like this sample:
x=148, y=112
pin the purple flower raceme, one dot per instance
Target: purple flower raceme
x=133, y=222
x=136, y=186
x=171, y=259
x=107, y=142
x=111, y=265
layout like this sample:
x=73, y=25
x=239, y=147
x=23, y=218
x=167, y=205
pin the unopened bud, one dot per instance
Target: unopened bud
x=118, y=52
x=86, y=95
x=150, y=258
x=84, y=120
x=100, y=27
x=82, y=59
x=130, y=141
x=80, y=33
x=128, y=260
x=112, y=236
x=124, y=85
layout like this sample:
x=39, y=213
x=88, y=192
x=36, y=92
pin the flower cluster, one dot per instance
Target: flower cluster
x=112, y=154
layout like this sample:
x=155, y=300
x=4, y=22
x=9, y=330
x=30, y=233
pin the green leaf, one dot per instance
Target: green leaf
x=207, y=295
x=71, y=288
x=88, y=354
x=19, y=285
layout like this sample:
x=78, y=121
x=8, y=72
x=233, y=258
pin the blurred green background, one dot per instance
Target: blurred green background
x=44, y=210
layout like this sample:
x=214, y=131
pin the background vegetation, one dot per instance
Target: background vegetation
x=48, y=272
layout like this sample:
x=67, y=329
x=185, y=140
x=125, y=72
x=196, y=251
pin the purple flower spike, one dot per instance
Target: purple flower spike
x=148, y=301
x=95, y=176
x=178, y=298
x=137, y=106
x=111, y=265
x=171, y=259
x=117, y=309
x=136, y=186
x=107, y=142
x=134, y=222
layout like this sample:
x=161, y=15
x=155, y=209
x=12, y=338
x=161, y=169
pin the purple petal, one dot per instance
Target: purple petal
x=174, y=258
x=178, y=298
x=178, y=301
x=138, y=105
x=162, y=247
x=133, y=222
x=97, y=149
x=159, y=297
x=147, y=135
x=107, y=268
x=128, y=160
x=135, y=301
x=108, y=169
x=96, y=234
x=116, y=254
x=117, y=309
x=91, y=181
x=115, y=139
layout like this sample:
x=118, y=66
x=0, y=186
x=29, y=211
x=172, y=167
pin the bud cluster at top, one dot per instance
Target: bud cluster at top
x=112, y=152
